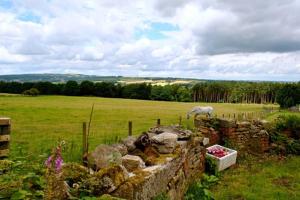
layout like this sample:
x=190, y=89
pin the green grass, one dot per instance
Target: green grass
x=261, y=179
x=39, y=122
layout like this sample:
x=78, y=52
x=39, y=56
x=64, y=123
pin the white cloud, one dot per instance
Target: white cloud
x=215, y=39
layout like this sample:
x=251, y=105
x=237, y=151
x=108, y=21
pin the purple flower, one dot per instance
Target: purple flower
x=48, y=162
x=58, y=163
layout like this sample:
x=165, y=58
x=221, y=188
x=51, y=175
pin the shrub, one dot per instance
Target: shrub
x=31, y=92
x=288, y=122
x=200, y=190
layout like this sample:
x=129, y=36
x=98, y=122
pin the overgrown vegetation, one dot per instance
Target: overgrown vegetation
x=285, y=134
x=199, y=190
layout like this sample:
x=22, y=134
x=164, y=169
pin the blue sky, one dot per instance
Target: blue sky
x=198, y=39
x=156, y=31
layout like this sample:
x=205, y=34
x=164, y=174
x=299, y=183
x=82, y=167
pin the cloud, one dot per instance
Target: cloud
x=183, y=38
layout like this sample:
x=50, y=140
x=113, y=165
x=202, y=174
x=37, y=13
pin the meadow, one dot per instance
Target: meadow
x=39, y=122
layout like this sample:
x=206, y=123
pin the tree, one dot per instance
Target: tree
x=288, y=95
x=71, y=88
x=184, y=94
x=86, y=88
x=137, y=91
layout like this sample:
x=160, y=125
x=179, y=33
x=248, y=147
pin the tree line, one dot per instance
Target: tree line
x=286, y=94
x=101, y=89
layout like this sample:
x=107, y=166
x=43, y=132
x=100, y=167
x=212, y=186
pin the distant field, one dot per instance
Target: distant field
x=39, y=122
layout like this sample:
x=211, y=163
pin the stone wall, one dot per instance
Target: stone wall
x=162, y=160
x=248, y=136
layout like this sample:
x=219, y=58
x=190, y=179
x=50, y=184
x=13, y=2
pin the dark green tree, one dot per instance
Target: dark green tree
x=71, y=88
x=86, y=88
x=288, y=95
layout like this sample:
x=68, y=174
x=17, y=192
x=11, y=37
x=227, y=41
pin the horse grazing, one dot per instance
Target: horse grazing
x=197, y=110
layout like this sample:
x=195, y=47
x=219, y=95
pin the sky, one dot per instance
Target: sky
x=207, y=39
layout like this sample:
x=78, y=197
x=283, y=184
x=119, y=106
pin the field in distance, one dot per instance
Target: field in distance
x=39, y=122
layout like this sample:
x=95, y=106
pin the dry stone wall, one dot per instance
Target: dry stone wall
x=249, y=136
x=162, y=160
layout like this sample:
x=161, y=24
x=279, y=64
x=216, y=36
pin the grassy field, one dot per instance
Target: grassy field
x=39, y=122
x=261, y=179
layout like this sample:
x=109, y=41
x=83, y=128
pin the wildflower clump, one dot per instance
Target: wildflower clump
x=56, y=187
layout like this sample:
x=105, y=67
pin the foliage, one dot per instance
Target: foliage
x=55, y=188
x=288, y=95
x=211, y=166
x=22, y=178
x=286, y=134
x=71, y=88
x=31, y=92
x=200, y=189
x=288, y=122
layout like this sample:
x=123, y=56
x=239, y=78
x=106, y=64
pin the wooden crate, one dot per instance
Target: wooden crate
x=5, y=127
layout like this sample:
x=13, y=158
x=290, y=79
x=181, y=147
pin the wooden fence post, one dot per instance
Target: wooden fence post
x=130, y=128
x=158, y=122
x=5, y=126
x=84, y=143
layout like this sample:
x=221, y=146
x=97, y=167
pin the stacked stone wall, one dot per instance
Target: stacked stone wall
x=164, y=160
x=243, y=136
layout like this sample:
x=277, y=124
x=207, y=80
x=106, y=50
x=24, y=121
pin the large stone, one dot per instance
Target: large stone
x=103, y=157
x=132, y=163
x=165, y=142
x=244, y=124
x=107, y=180
x=121, y=148
x=129, y=143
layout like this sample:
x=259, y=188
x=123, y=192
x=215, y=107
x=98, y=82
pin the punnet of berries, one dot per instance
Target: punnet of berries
x=218, y=151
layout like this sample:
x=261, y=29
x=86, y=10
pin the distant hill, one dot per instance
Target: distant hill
x=61, y=78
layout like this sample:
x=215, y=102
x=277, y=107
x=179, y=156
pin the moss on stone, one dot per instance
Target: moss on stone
x=75, y=172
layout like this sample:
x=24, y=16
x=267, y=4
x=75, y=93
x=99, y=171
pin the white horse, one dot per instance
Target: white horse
x=197, y=110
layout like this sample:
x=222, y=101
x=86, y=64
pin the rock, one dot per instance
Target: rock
x=243, y=124
x=184, y=135
x=121, y=148
x=129, y=143
x=142, y=141
x=103, y=157
x=263, y=133
x=151, y=152
x=107, y=180
x=165, y=142
x=205, y=141
x=132, y=163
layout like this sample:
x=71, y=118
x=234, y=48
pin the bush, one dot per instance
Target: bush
x=31, y=92
x=200, y=190
x=289, y=122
